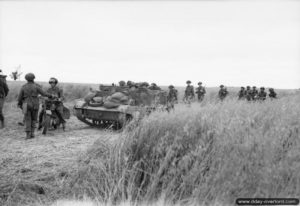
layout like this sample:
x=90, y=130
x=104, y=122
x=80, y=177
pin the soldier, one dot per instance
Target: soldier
x=3, y=93
x=248, y=93
x=254, y=93
x=200, y=91
x=122, y=83
x=189, y=93
x=272, y=93
x=242, y=93
x=28, y=101
x=222, y=92
x=262, y=94
x=57, y=93
x=172, y=96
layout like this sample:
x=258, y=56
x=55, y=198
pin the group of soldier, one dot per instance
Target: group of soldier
x=28, y=99
x=29, y=102
x=252, y=94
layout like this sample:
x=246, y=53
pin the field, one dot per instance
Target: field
x=206, y=154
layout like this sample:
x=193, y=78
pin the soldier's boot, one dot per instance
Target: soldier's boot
x=64, y=126
x=28, y=135
x=40, y=126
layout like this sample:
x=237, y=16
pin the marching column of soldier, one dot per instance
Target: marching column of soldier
x=28, y=99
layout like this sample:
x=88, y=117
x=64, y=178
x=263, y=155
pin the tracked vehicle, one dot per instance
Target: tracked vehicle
x=143, y=101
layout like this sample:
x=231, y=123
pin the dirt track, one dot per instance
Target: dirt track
x=38, y=160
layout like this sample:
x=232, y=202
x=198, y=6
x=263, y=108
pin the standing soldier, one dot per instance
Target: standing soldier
x=222, y=92
x=272, y=93
x=242, y=93
x=254, y=93
x=3, y=93
x=189, y=93
x=172, y=96
x=262, y=94
x=248, y=93
x=200, y=91
x=28, y=101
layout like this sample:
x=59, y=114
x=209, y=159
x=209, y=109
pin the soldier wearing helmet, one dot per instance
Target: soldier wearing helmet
x=3, y=93
x=242, y=93
x=200, y=90
x=262, y=95
x=272, y=93
x=248, y=93
x=172, y=97
x=254, y=93
x=57, y=93
x=189, y=93
x=222, y=92
x=28, y=101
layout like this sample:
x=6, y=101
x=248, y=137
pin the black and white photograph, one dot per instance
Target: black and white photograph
x=149, y=102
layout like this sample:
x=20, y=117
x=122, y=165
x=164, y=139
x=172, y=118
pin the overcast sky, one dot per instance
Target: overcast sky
x=247, y=42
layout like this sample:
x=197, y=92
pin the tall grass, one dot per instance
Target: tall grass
x=200, y=155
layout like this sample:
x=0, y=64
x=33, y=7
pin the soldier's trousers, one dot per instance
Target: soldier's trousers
x=200, y=98
x=30, y=119
x=1, y=109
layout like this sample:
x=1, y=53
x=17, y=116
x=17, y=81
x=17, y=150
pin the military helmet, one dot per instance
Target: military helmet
x=254, y=87
x=53, y=80
x=171, y=87
x=262, y=88
x=242, y=87
x=188, y=82
x=145, y=84
x=199, y=83
x=122, y=83
x=29, y=77
x=221, y=86
x=248, y=87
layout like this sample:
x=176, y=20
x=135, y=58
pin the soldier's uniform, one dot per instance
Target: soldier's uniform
x=172, y=96
x=200, y=92
x=57, y=92
x=3, y=93
x=189, y=93
x=222, y=93
x=248, y=93
x=242, y=93
x=29, y=102
x=272, y=93
x=262, y=94
x=254, y=93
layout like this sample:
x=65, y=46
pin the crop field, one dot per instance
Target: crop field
x=207, y=154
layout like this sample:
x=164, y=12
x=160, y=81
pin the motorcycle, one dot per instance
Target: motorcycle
x=49, y=117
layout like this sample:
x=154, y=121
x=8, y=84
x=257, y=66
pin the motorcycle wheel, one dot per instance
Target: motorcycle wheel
x=46, y=124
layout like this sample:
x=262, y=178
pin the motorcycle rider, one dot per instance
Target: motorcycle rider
x=57, y=93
